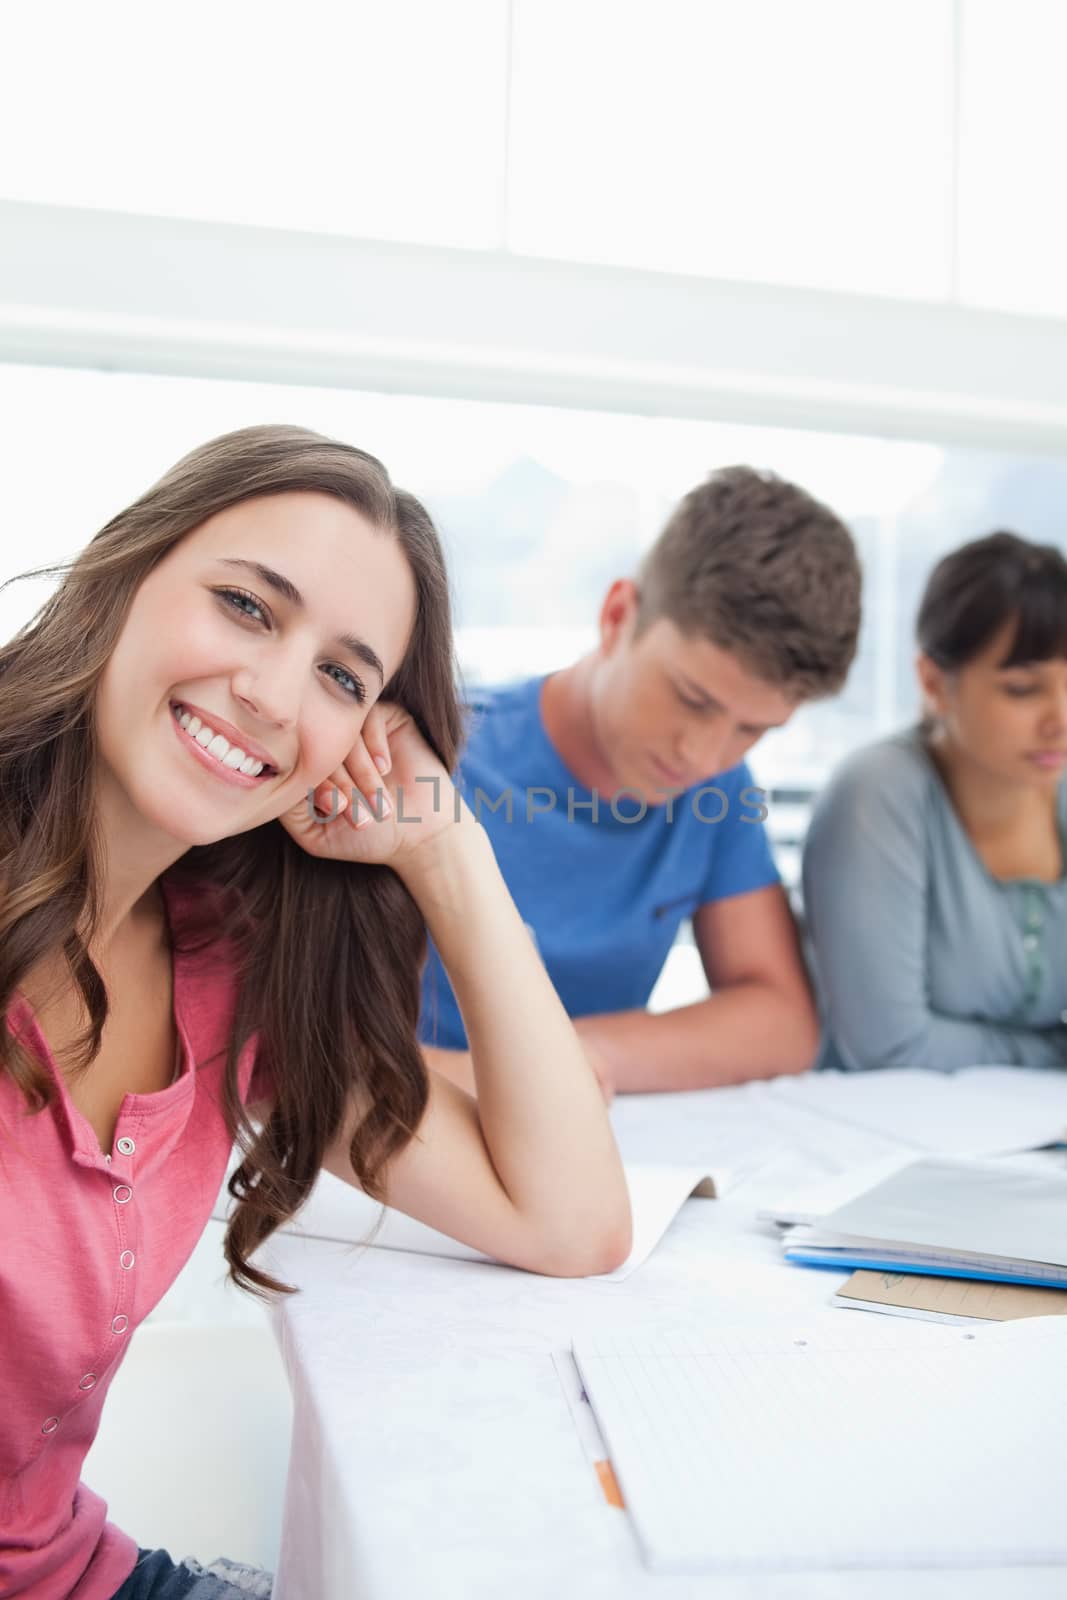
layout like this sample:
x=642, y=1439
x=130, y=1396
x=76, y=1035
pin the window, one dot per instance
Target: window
x=340, y=116
x=1013, y=123
x=807, y=144
x=539, y=509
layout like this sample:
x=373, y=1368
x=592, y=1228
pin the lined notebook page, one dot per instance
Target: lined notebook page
x=887, y=1446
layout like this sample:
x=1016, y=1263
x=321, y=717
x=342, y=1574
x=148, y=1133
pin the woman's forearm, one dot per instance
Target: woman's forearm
x=541, y=1109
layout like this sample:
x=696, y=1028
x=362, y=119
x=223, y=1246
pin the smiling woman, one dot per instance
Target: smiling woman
x=287, y=681
x=184, y=935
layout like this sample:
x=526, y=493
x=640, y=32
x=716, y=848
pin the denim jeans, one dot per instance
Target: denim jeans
x=157, y=1577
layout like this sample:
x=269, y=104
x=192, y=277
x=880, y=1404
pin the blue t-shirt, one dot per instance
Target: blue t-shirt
x=601, y=887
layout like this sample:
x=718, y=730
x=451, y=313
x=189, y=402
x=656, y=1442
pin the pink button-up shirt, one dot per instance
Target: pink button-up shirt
x=89, y=1243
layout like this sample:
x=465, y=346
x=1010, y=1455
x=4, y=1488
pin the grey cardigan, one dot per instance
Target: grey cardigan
x=922, y=957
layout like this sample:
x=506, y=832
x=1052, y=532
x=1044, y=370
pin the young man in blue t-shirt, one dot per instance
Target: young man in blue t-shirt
x=618, y=801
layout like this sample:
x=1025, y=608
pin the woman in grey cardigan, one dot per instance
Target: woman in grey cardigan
x=934, y=870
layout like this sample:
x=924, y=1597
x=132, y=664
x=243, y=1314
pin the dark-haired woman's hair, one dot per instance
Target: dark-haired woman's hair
x=975, y=590
x=328, y=955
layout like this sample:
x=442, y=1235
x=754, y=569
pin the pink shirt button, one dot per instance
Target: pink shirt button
x=119, y=1324
x=88, y=1381
x=126, y=1147
x=50, y=1426
x=122, y=1193
x=126, y=1260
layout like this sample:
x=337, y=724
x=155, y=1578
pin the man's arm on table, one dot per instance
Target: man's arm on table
x=759, y=1021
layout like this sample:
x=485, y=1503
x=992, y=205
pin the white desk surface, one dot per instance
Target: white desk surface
x=434, y=1452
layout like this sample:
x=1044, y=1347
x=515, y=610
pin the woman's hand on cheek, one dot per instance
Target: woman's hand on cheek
x=390, y=795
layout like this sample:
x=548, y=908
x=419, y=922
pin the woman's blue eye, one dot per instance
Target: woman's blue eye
x=357, y=690
x=237, y=599
x=232, y=595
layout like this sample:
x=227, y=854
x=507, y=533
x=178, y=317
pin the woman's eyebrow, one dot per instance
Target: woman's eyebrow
x=288, y=590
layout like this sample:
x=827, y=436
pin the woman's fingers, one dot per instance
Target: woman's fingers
x=368, y=795
x=330, y=797
x=369, y=761
x=357, y=789
x=376, y=738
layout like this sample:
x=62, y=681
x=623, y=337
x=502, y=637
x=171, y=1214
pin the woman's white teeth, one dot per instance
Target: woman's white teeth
x=229, y=755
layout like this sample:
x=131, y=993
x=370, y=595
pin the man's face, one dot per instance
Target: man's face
x=671, y=710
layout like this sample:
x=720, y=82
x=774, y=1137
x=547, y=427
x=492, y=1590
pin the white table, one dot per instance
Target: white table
x=434, y=1451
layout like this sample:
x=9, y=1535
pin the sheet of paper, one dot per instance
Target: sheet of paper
x=986, y=1208
x=718, y=1129
x=335, y=1210
x=810, y=1203
x=761, y=1454
x=915, y=1313
x=954, y=1297
x=979, y=1111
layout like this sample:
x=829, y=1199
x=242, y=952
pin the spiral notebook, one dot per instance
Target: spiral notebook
x=896, y=1445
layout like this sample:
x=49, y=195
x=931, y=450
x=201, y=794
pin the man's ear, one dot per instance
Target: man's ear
x=618, y=614
x=931, y=684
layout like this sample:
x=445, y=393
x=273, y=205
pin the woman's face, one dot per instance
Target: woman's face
x=1009, y=721
x=275, y=625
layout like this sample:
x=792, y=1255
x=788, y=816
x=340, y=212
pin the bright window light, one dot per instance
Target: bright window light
x=798, y=143
x=1013, y=133
x=339, y=116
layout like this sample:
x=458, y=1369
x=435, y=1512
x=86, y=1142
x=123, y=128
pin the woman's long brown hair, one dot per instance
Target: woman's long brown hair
x=328, y=954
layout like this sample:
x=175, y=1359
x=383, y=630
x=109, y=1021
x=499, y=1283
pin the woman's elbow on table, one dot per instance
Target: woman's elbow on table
x=588, y=1252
